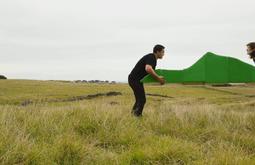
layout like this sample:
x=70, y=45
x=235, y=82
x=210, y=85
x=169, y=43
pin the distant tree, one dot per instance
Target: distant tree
x=2, y=77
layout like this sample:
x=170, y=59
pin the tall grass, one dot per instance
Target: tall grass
x=177, y=131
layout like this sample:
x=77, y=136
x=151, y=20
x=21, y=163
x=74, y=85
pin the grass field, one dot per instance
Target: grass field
x=199, y=125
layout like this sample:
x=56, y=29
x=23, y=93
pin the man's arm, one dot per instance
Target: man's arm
x=150, y=70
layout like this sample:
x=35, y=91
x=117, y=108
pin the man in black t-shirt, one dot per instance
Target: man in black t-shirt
x=146, y=65
x=251, y=50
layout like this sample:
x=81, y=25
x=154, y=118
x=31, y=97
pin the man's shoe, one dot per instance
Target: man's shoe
x=136, y=114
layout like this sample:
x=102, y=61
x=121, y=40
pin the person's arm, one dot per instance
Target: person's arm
x=150, y=70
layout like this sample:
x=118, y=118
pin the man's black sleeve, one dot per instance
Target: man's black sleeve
x=149, y=61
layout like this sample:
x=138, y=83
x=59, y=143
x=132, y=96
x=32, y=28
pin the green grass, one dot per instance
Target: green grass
x=197, y=126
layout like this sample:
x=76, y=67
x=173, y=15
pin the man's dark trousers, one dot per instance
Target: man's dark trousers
x=139, y=93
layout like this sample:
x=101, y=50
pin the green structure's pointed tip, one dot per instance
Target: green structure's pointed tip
x=209, y=53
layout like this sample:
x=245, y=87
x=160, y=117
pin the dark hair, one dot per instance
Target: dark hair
x=251, y=45
x=158, y=48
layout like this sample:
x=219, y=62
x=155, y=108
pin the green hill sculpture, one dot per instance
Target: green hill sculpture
x=211, y=68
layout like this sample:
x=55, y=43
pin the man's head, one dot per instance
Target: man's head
x=159, y=51
x=250, y=48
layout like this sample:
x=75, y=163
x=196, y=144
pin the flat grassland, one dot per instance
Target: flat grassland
x=42, y=123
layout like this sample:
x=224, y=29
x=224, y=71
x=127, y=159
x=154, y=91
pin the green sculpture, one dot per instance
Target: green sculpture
x=211, y=68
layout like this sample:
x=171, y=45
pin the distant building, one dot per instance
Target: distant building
x=95, y=81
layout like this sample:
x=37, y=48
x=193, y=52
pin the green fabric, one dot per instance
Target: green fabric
x=211, y=68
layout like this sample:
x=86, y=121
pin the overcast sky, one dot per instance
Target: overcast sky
x=92, y=39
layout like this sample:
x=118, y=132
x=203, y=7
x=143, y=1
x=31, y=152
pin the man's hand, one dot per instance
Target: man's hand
x=161, y=80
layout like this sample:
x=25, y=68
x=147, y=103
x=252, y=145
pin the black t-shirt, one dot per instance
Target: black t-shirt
x=139, y=70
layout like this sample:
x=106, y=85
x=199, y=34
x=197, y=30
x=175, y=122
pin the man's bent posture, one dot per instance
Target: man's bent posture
x=146, y=65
